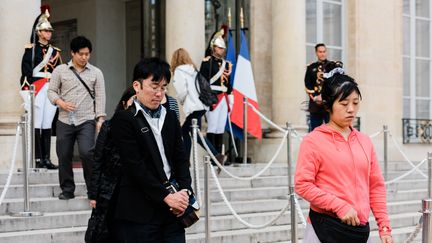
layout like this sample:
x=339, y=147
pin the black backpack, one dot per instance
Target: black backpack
x=205, y=93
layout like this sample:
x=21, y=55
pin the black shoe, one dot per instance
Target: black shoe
x=46, y=163
x=66, y=196
x=39, y=163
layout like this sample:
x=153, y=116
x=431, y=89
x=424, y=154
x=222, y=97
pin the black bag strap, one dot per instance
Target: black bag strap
x=140, y=120
x=82, y=81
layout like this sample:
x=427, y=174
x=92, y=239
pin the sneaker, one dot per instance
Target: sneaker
x=66, y=196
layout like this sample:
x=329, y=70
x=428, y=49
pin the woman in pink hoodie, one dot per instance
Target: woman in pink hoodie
x=338, y=172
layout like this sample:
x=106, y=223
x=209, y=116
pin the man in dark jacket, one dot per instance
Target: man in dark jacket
x=152, y=155
x=313, y=84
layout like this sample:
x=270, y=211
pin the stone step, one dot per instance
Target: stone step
x=222, y=218
x=42, y=190
x=55, y=235
x=245, y=196
x=48, y=204
x=51, y=176
x=46, y=221
x=229, y=184
x=242, y=194
x=43, y=177
x=275, y=233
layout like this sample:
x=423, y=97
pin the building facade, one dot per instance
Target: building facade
x=387, y=52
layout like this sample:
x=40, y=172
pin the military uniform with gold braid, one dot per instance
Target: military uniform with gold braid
x=313, y=85
x=38, y=62
x=214, y=69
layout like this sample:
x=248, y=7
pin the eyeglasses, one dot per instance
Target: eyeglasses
x=156, y=90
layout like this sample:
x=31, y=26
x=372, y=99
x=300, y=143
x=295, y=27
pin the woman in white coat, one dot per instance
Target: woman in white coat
x=184, y=76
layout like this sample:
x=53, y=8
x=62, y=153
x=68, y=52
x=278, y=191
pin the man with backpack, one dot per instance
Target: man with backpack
x=217, y=71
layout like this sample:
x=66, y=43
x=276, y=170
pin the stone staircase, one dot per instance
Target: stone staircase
x=256, y=201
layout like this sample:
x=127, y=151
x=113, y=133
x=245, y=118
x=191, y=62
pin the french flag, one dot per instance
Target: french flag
x=244, y=86
x=231, y=57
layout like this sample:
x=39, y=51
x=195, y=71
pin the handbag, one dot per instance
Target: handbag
x=192, y=213
x=332, y=230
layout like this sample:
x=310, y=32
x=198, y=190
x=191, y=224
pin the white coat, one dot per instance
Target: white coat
x=187, y=94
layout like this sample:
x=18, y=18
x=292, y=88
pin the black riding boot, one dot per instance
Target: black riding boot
x=46, y=149
x=38, y=148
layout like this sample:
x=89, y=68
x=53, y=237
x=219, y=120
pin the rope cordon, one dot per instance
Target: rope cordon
x=12, y=166
x=272, y=160
x=406, y=173
x=234, y=213
x=405, y=156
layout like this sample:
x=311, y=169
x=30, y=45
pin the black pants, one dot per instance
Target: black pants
x=187, y=130
x=162, y=228
x=84, y=134
x=316, y=119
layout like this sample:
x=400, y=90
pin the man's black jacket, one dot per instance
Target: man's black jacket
x=141, y=191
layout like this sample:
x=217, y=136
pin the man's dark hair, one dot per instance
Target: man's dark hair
x=80, y=42
x=338, y=87
x=319, y=45
x=153, y=67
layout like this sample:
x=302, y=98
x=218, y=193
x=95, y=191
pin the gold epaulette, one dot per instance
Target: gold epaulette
x=205, y=59
x=56, y=48
x=28, y=46
x=309, y=91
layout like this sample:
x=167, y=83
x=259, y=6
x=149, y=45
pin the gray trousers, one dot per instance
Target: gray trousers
x=84, y=134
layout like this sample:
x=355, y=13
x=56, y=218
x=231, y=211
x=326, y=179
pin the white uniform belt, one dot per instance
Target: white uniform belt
x=42, y=74
x=37, y=70
x=218, y=88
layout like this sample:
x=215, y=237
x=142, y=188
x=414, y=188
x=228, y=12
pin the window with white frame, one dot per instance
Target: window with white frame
x=417, y=87
x=325, y=23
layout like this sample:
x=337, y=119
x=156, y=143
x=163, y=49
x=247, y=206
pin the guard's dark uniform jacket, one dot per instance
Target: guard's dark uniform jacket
x=210, y=67
x=27, y=65
x=314, y=80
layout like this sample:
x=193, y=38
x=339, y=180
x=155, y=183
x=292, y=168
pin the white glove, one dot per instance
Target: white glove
x=231, y=100
x=25, y=95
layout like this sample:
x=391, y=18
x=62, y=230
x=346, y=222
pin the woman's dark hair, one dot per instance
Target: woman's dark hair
x=80, y=42
x=337, y=87
x=152, y=67
x=127, y=94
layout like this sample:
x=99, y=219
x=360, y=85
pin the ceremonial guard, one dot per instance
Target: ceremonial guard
x=39, y=60
x=313, y=83
x=217, y=71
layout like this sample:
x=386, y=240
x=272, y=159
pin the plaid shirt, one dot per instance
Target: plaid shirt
x=66, y=86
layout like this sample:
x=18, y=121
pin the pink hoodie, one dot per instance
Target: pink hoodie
x=334, y=175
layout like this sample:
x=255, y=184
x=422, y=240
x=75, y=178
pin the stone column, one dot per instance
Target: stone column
x=375, y=61
x=185, y=28
x=261, y=57
x=288, y=60
x=16, y=21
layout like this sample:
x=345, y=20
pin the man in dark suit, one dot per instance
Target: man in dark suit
x=152, y=154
